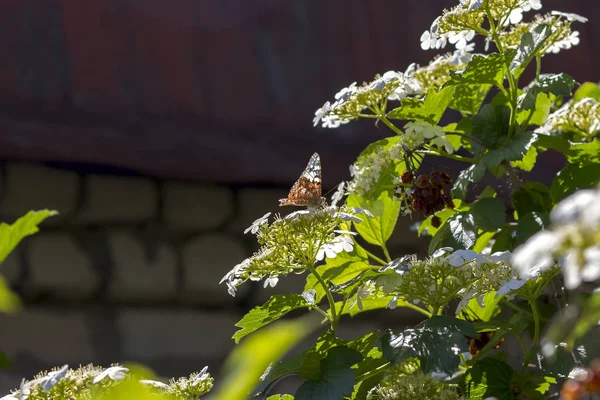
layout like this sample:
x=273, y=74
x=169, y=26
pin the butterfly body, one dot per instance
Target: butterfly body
x=307, y=190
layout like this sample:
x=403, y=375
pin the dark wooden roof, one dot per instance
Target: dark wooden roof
x=220, y=91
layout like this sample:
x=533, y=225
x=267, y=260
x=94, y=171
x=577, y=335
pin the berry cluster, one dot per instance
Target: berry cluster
x=429, y=193
x=585, y=386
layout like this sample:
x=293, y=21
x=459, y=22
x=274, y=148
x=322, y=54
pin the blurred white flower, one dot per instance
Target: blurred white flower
x=271, y=281
x=564, y=44
x=460, y=39
x=461, y=257
x=536, y=254
x=581, y=267
x=257, y=223
x=115, y=373
x=361, y=294
x=339, y=194
x=570, y=16
x=50, y=380
x=156, y=384
x=321, y=112
x=310, y=296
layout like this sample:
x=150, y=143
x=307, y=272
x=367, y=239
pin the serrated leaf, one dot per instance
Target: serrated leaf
x=584, y=153
x=429, y=109
x=11, y=235
x=468, y=98
x=483, y=241
x=572, y=178
x=514, y=150
x=557, y=84
x=530, y=45
x=489, y=377
x=491, y=124
x=483, y=69
x=247, y=362
x=385, y=210
x=436, y=342
x=528, y=161
x=587, y=89
x=488, y=214
x=337, y=377
x=276, y=307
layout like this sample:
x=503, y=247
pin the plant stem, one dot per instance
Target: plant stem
x=450, y=156
x=374, y=257
x=390, y=125
x=372, y=372
x=386, y=253
x=536, y=333
x=471, y=138
x=334, y=315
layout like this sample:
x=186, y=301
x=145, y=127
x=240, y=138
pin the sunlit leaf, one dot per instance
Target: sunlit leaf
x=11, y=235
x=276, y=307
x=488, y=378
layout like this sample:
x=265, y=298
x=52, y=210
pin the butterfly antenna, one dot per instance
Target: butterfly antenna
x=332, y=189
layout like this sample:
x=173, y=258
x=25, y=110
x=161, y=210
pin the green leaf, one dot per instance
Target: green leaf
x=587, y=89
x=489, y=377
x=369, y=304
x=368, y=373
x=505, y=239
x=429, y=109
x=532, y=197
x=337, y=377
x=472, y=174
x=489, y=310
x=528, y=161
x=436, y=342
x=557, y=84
x=514, y=150
x=281, y=397
x=463, y=229
x=490, y=125
x=488, y=214
x=531, y=44
x=4, y=361
x=385, y=210
x=443, y=215
x=529, y=225
x=11, y=235
x=9, y=301
x=308, y=363
x=483, y=69
x=276, y=307
x=584, y=153
x=573, y=178
x=468, y=98
x=483, y=241
x=339, y=270
x=247, y=362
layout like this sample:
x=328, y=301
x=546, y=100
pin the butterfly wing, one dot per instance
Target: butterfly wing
x=307, y=189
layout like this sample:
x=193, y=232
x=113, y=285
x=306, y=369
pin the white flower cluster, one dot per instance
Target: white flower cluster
x=573, y=241
x=278, y=257
x=582, y=117
x=367, y=171
x=352, y=100
x=434, y=39
x=417, y=132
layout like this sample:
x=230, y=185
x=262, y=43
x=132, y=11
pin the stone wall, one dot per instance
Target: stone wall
x=129, y=271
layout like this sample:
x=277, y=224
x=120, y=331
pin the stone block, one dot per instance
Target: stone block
x=206, y=259
x=35, y=187
x=190, y=207
x=54, y=337
x=253, y=203
x=118, y=199
x=135, y=276
x=59, y=266
x=151, y=334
